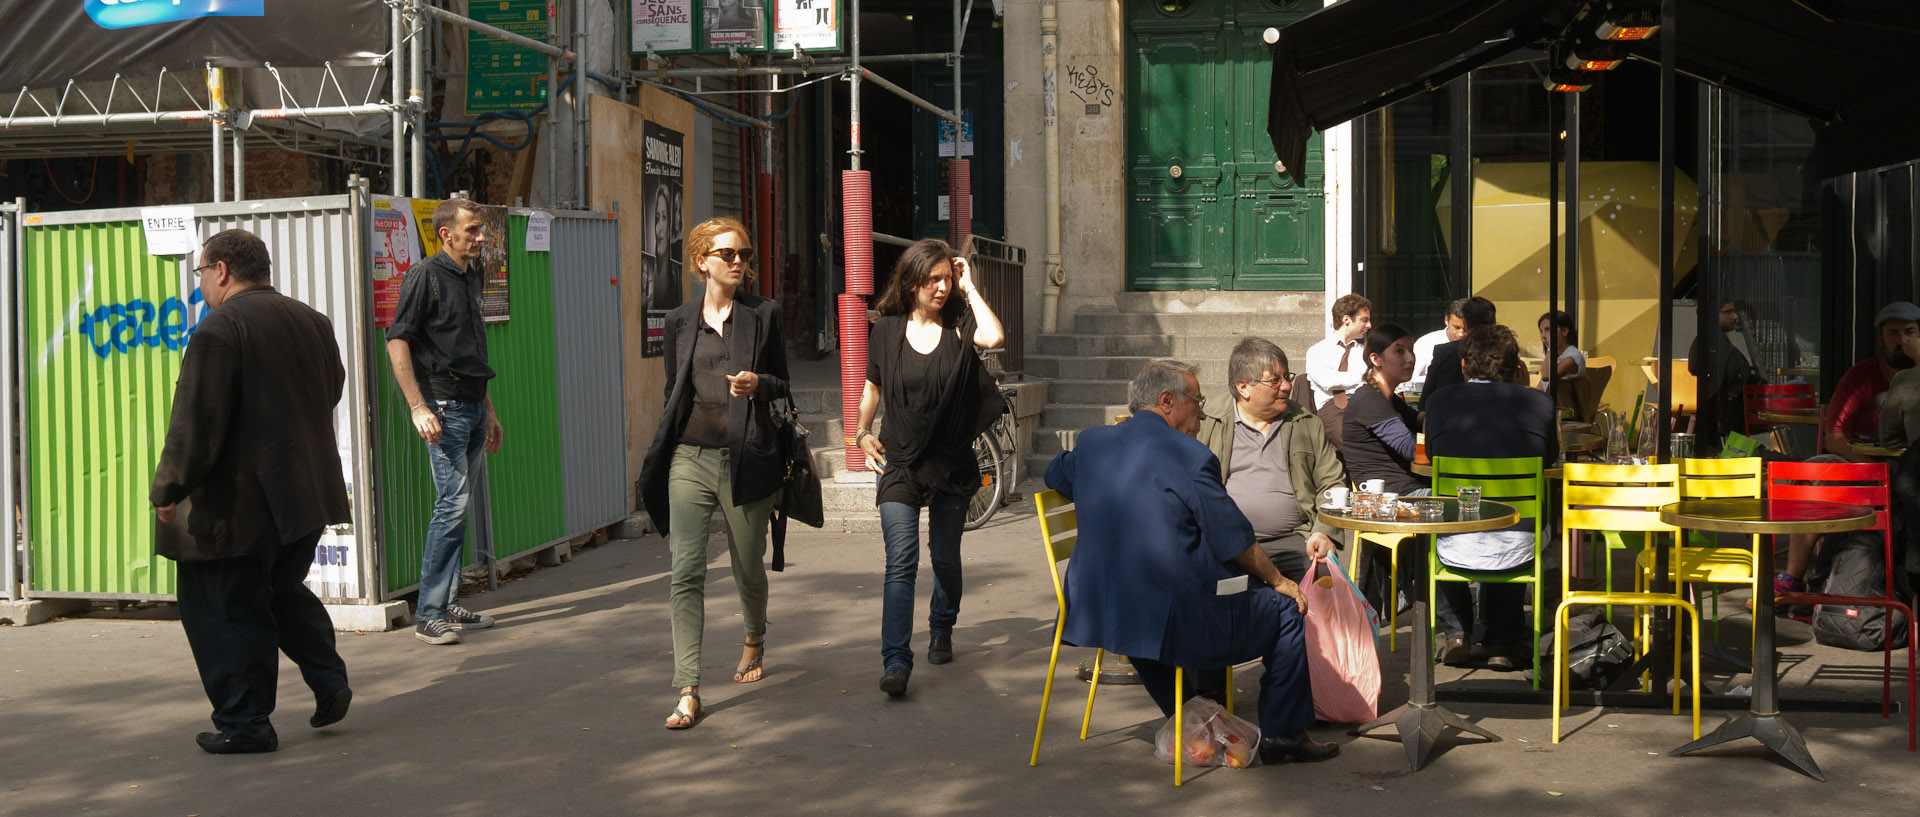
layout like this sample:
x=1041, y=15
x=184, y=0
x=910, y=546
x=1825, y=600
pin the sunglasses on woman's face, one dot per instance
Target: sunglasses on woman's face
x=727, y=254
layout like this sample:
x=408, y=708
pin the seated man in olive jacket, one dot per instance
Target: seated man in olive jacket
x=1275, y=457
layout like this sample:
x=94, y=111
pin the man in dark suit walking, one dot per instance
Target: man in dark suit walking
x=251, y=443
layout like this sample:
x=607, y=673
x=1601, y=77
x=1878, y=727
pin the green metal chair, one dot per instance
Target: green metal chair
x=1517, y=481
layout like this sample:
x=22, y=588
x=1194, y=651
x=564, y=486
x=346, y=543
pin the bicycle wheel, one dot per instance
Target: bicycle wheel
x=992, y=487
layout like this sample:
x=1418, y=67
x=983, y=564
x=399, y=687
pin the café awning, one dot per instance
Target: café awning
x=1841, y=63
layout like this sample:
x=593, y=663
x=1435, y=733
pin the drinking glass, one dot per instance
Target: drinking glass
x=1387, y=507
x=1469, y=500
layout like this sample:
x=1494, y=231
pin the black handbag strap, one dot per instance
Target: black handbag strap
x=779, y=536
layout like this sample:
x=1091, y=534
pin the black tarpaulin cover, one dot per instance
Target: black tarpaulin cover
x=1846, y=64
x=44, y=43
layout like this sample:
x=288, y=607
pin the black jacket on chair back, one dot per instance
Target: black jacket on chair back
x=756, y=464
x=251, y=438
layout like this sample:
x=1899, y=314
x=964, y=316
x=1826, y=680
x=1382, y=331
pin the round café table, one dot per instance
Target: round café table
x=1763, y=721
x=1870, y=450
x=1580, y=441
x=1419, y=721
x=1809, y=417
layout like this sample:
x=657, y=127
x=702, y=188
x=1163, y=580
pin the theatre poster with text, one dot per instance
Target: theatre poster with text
x=662, y=190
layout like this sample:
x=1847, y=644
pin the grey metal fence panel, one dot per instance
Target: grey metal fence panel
x=317, y=259
x=591, y=377
x=9, y=262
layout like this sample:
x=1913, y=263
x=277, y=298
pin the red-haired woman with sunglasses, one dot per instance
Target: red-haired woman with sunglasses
x=716, y=448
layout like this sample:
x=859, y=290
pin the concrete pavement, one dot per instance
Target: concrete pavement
x=558, y=710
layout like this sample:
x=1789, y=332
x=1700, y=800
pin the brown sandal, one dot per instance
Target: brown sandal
x=740, y=675
x=688, y=718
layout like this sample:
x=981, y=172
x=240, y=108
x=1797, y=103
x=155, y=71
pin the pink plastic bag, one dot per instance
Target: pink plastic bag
x=1214, y=737
x=1343, y=662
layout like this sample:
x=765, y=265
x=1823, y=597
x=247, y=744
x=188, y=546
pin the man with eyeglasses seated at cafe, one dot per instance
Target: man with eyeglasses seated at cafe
x=1275, y=457
x=1167, y=570
x=1490, y=415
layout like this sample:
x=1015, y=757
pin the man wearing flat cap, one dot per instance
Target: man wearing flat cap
x=1855, y=406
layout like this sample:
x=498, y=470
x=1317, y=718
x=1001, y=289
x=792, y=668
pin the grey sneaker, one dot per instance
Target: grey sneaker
x=463, y=619
x=436, y=632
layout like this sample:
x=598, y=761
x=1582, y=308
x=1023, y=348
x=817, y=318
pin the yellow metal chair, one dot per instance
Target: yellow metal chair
x=1700, y=560
x=1059, y=531
x=1392, y=542
x=1617, y=498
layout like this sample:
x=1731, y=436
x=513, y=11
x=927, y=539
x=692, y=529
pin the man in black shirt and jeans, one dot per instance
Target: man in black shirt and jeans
x=438, y=331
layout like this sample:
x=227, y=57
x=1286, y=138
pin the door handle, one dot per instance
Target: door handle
x=1175, y=172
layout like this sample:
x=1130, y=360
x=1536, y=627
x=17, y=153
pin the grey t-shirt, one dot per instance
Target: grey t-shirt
x=1259, y=481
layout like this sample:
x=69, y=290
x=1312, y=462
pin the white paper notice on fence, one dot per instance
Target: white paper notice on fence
x=539, y=232
x=335, y=572
x=170, y=230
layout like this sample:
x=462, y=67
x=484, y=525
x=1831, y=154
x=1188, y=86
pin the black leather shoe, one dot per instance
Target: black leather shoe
x=1297, y=749
x=940, y=649
x=1455, y=652
x=894, y=683
x=218, y=744
x=331, y=709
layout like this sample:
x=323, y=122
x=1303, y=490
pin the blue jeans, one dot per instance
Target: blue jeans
x=900, y=524
x=463, y=433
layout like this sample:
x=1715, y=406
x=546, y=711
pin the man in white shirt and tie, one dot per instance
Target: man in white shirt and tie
x=1337, y=365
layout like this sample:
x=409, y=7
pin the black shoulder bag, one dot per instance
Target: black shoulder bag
x=799, y=496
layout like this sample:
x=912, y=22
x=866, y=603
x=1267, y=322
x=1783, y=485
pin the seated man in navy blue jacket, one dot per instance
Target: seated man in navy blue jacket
x=1486, y=417
x=1162, y=572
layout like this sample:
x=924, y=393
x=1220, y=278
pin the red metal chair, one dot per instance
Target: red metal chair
x=1855, y=484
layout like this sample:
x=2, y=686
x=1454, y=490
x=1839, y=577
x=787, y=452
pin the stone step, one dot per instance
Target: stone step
x=817, y=400
x=1123, y=368
x=1182, y=347
x=1074, y=416
x=1312, y=303
x=1088, y=391
x=1270, y=325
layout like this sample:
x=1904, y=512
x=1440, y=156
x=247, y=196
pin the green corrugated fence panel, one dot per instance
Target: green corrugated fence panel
x=524, y=479
x=102, y=337
x=406, y=481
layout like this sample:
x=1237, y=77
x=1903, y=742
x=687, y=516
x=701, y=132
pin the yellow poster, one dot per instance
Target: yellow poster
x=429, y=237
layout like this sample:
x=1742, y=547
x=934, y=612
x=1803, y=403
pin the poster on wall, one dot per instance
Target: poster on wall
x=662, y=189
x=396, y=248
x=809, y=25
x=423, y=220
x=662, y=26
x=739, y=24
x=335, y=572
x=502, y=76
x=493, y=265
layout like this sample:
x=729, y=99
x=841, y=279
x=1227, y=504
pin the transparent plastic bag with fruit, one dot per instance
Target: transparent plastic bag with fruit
x=1213, y=737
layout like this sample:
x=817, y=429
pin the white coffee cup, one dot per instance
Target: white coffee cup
x=1334, y=497
x=1374, y=486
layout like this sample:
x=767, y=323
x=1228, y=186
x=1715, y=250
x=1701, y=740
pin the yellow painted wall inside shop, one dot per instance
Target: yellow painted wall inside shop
x=1619, y=298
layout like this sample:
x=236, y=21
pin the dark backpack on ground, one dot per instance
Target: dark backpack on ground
x=1597, y=655
x=1856, y=567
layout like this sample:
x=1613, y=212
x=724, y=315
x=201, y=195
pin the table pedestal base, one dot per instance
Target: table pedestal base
x=1772, y=731
x=1419, y=726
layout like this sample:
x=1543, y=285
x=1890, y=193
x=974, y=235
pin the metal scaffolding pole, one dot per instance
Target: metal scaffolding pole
x=906, y=95
x=217, y=101
x=399, y=117
x=417, y=99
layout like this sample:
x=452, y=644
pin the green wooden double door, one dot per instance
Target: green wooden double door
x=1207, y=207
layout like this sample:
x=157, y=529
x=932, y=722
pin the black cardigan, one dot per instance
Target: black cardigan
x=756, y=465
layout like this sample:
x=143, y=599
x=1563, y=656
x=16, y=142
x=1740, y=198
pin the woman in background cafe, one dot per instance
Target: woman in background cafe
x=1379, y=426
x=1486, y=417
